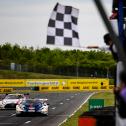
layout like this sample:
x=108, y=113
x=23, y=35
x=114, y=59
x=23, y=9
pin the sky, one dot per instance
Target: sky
x=24, y=22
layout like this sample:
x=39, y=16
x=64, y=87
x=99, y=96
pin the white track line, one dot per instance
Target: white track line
x=61, y=103
x=77, y=108
x=27, y=122
x=67, y=99
x=13, y=114
x=54, y=108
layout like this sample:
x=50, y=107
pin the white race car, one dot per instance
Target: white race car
x=11, y=100
x=32, y=106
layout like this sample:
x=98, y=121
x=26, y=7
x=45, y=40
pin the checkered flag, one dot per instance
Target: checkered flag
x=62, y=26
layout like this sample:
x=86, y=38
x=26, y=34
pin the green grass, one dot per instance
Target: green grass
x=8, y=74
x=108, y=101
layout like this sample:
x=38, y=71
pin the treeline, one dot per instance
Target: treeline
x=44, y=60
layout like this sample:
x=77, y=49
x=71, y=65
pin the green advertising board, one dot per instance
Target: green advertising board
x=96, y=103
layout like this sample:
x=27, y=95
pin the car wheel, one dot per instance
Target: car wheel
x=18, y=114
x=44, y=114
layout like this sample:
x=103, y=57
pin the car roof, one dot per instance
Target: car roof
x=36, y=99
x=15, y=94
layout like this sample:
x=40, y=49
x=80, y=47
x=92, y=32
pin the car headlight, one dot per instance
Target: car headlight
x=21, y=106
x=3, y=102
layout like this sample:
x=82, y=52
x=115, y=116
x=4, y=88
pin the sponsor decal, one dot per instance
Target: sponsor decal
x=66, y=88
x=55, y=88
x=6, y=90
x=76, y=87
x=31, y=83
x=94, y=87
x=12, y=82
x=103, y=87
x=44, y=88
x=86, y=87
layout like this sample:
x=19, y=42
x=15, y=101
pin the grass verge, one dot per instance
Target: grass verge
x=8, y=74
x=108, y=101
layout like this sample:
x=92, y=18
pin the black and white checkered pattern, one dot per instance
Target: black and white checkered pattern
x=62, y=26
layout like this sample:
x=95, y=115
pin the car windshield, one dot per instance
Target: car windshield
x=13, y=97
x=31, y=101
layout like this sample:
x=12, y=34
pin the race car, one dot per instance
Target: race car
x=11, y=100
x=32, y=106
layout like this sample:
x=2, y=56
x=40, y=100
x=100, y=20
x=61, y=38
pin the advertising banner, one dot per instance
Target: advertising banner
x=58, y=84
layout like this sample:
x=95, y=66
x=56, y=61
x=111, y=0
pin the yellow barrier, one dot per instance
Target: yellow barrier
x=12, y=83
x=37, y=82
x=59, y=84
x=74, y=88
x=88, y=81
x=6, y=90
x=45, y=82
